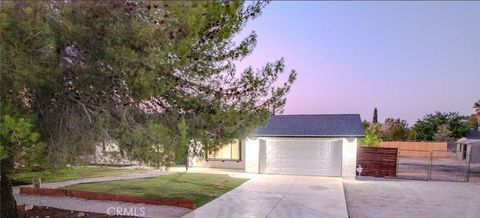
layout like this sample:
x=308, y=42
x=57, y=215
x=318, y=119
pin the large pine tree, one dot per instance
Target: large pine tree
x=140, y=73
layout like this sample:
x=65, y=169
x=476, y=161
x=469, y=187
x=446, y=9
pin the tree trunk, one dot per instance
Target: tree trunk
x=478, y=120
x=186, y=162
x=157, y=159
x=8, y=205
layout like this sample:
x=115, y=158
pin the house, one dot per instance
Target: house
x=317, y=144
x=108, y=153
x=468, y=147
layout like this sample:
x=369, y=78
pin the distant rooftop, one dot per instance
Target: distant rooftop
x=313, y=125
x=474, y=134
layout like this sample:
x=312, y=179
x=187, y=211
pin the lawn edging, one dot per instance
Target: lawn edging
x=107, y=197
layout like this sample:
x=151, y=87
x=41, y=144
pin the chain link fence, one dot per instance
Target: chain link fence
x=438, y=165
x=413, y=164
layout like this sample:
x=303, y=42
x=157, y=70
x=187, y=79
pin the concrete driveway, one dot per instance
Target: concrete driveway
x=280, y=196
x=407, y=198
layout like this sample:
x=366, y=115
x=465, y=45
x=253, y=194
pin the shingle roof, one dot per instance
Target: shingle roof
x=313, y=125
x=474, y=134
x=468, y=141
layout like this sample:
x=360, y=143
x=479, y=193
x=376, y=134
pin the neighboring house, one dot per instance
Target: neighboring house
x=109, y=154
x=468, y=147
x=317, y=144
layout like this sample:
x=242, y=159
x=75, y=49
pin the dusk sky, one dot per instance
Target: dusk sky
x=405, y=58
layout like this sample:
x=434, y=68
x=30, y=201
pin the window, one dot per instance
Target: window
x=230, y=151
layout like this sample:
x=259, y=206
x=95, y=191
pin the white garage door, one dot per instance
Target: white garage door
x=301, y=157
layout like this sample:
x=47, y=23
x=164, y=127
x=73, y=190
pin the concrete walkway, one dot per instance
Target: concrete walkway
x=230, y=172
x=280, y=196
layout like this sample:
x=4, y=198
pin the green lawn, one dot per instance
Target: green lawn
x=201, y=188
x=78, y=172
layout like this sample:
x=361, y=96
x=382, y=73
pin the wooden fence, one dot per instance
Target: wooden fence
x=417, y=149
x=378, y=162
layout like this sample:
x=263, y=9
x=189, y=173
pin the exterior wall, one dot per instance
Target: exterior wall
x=459, y=151
x=475, y=153
x=349, y=157
x=226, y=164
x=109, y=154
x=417, y=149
x=252, y=154
x=337, y=160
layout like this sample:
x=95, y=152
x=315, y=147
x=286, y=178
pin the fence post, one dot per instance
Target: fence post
x=429, y=175
x=398, y=158
x=467, y=168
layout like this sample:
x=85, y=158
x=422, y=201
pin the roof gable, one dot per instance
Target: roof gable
x=313, y=125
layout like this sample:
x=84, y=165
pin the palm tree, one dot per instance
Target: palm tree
x=476, y=106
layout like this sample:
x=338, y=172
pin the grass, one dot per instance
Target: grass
x=64, y=174
x=201, y=188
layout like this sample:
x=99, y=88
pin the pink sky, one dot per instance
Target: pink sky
x=405, y=58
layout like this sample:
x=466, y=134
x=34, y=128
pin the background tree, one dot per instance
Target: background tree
x=372, y=130
x=370, y=140
x=395, y=130
x=375, y=116
x=476, y=106
x=131, y=72
x=443, y=133
x=412, y=135
x=429, y=125
x=21, y=145
x=472, y=121
x=365, y=124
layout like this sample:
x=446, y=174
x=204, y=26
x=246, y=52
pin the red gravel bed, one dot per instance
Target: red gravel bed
x=42, y=212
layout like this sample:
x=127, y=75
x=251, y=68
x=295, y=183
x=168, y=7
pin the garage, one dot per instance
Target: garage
x=305, y=144
x=302, y=144
x=301, y=156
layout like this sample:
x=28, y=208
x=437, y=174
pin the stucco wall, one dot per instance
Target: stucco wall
x=336, y=159
x=251, y=154
x=472, y=152
x=475, y=153
x=349, y=157
x=459, y=151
